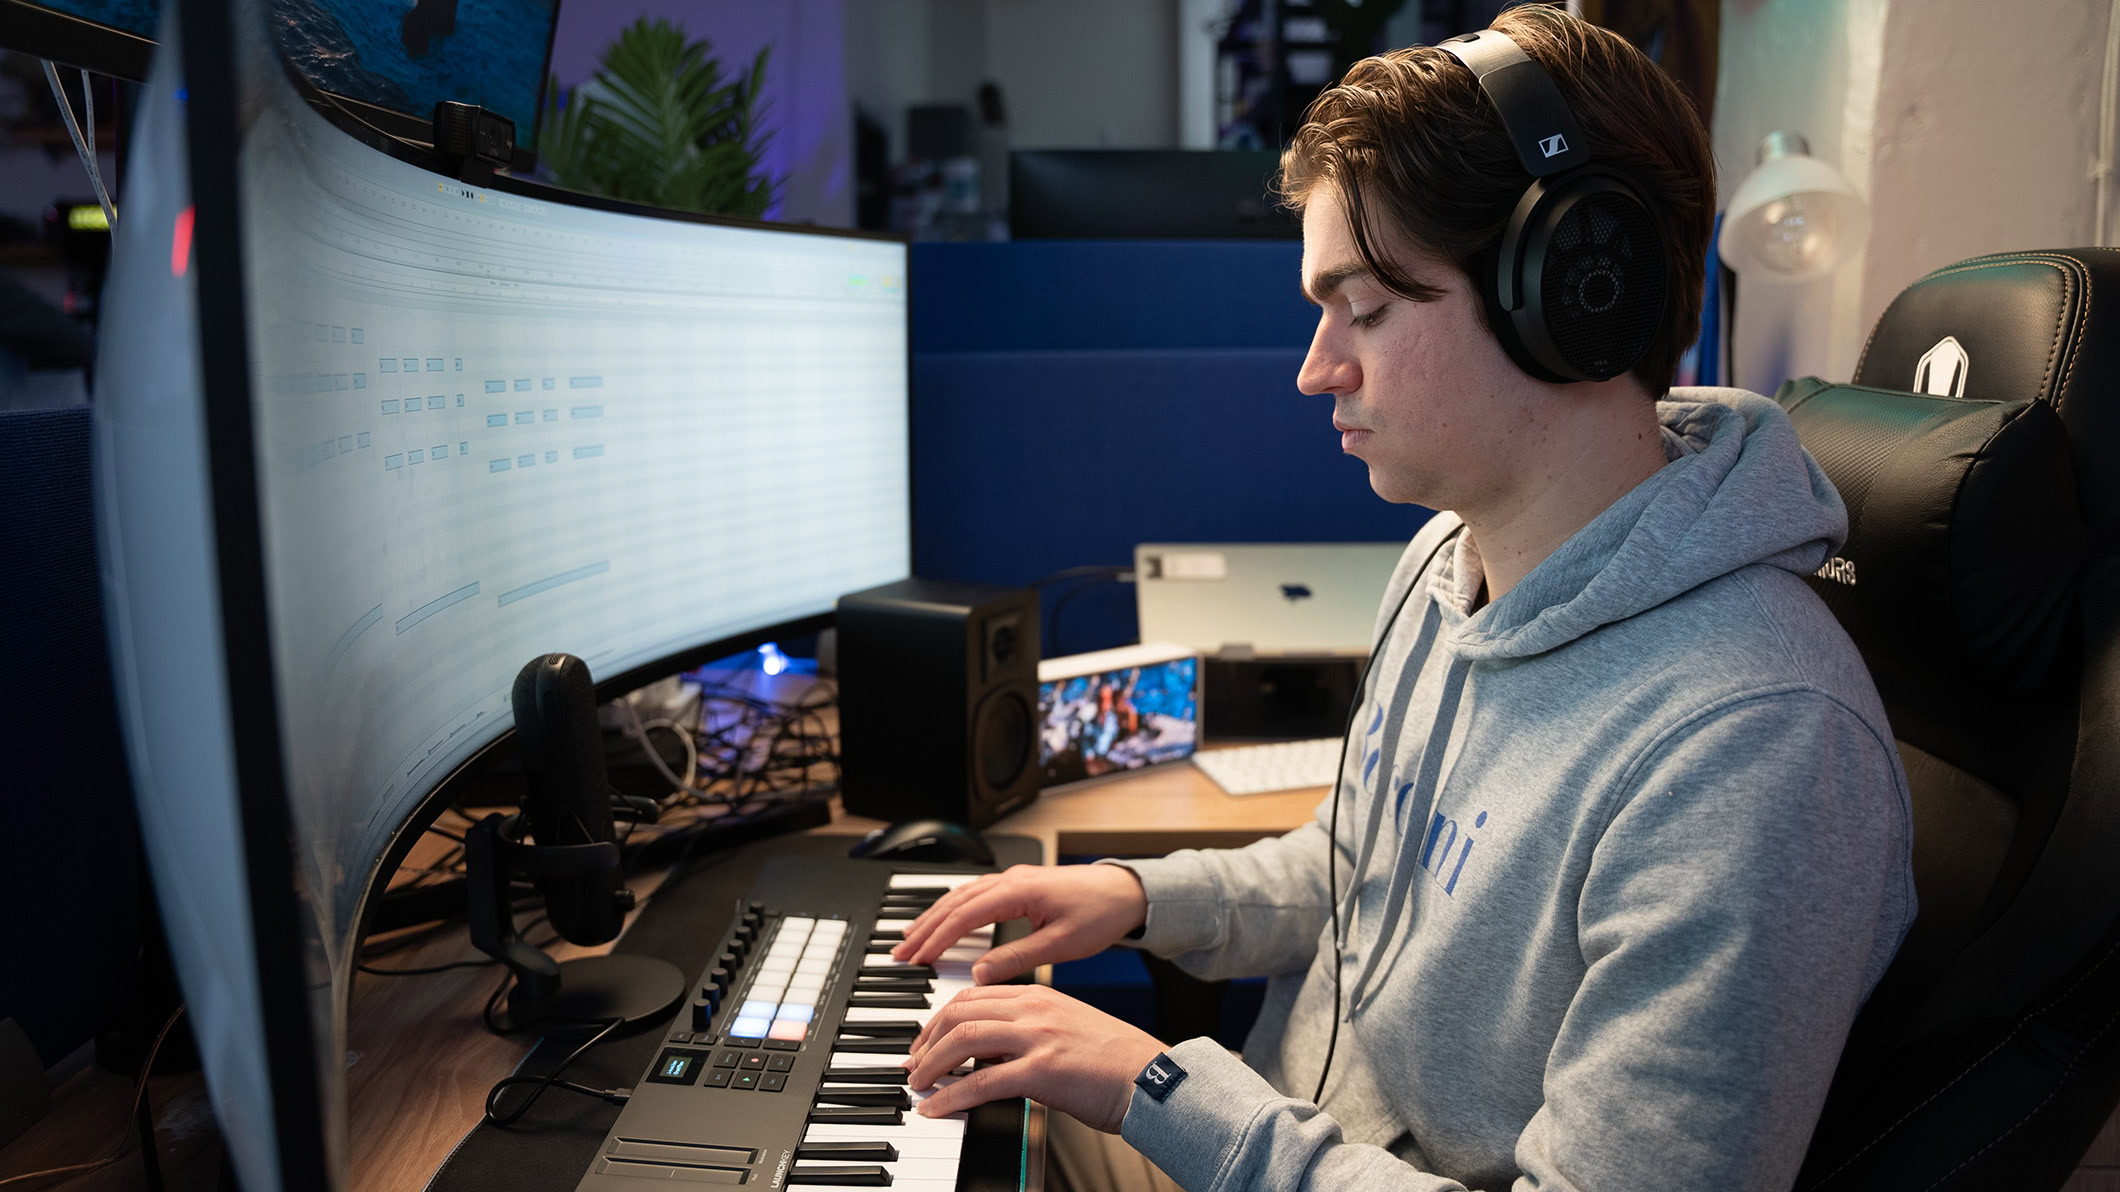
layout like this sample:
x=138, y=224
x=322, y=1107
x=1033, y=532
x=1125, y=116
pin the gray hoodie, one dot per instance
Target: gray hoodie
x=1633, y=845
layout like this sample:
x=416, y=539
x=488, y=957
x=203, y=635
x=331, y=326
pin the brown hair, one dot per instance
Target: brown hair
x=1411, y=135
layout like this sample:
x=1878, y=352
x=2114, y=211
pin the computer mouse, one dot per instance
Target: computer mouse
x=925, y=840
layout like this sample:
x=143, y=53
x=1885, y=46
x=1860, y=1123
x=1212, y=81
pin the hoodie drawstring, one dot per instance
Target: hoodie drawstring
x=1427, y=789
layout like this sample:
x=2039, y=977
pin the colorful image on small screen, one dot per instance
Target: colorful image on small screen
x=405, y=55
x=1123, y=719
x=133, y=16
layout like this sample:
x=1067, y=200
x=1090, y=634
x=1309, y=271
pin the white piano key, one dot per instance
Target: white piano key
x=921, y=1170
x=914, y=1126
x=893, y=924
x=880, y=1014
x=928, y=881
x=914, y=1142
x=910, y=1146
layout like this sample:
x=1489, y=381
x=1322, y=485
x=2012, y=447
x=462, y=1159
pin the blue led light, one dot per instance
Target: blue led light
x=750, y=1028
x=756, y=1009
x=796, y=1013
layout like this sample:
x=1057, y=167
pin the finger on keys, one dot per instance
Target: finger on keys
x=977, y=1039
x=925, y=921
x=980, y=908
x=963, y=1006
x=986, y=1084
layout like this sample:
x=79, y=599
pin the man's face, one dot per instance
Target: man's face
x=1421, y=391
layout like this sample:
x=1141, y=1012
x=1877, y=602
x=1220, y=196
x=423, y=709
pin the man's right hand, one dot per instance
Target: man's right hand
x=1075, y=911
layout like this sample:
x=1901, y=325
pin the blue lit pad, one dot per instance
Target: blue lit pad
x=750, y=1028
x=794, y=1012
x=755, y=1009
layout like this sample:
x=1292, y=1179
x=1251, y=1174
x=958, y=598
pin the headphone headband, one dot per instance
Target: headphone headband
x=1544, y=131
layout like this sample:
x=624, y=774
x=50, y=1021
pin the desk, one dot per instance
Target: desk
x=424, y=1062
x=1142, y=815
x=420, y=1062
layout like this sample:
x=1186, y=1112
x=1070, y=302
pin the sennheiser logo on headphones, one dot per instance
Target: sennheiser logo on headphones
x=1554, y=145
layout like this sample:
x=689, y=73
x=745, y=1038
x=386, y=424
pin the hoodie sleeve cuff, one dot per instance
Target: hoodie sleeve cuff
x=1195, y=1133
x=1184, y=905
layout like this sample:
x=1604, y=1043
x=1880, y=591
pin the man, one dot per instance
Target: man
x=1622, y=838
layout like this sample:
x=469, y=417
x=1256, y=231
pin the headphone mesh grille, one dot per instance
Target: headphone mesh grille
x=1603, y=284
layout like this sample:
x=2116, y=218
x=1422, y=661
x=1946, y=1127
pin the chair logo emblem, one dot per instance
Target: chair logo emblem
x=1553, y=146
x=1941, y=370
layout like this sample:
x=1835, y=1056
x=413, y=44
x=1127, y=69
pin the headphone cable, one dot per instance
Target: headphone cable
x=1339, y=779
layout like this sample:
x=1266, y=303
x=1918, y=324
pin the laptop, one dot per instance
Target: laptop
x=1263, y=598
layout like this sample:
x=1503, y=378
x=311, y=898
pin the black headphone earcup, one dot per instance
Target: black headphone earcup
x=1593, y=279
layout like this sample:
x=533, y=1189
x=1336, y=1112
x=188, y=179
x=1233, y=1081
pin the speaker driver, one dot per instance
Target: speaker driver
x=1603, y=284
x=1001, y=739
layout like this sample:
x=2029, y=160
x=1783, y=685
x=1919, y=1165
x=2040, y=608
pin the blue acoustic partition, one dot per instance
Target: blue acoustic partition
x=1073, y=398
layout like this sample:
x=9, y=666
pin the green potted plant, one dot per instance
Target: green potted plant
x=660, y=124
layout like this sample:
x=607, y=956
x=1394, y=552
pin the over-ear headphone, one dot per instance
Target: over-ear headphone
x=1575, y=287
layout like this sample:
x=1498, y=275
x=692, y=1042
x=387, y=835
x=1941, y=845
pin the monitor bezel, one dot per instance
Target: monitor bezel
x=77, y=41
x=300, y=1105
x=285, y=988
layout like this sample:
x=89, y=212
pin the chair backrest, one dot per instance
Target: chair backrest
x=1978, y=451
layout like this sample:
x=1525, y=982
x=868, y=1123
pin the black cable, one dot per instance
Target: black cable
x=1332, y=838
x=550, y=1079
x=1098, y=576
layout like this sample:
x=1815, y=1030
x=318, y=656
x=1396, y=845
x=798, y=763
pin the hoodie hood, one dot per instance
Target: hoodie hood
x=1739, y=490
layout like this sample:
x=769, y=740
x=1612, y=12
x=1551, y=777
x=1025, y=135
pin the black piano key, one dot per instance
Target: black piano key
x=883, y=936
x=857, y=1175
x=896, y=970
x=893, y=985
x=882, y=1028
x=928, y=892
x=858, y=1116
x=861, y=1152
x=880, y=1074
x=882, y=948
x=894, y=1098
x=869, y=1046
x=888, y=1001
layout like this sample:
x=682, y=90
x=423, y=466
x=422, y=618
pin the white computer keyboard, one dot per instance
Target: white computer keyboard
x=1279, y=766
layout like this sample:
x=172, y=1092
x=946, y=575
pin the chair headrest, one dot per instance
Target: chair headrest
x=1964, y=535
x=2040, y=325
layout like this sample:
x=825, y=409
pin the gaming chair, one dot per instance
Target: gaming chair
x=1978, y=451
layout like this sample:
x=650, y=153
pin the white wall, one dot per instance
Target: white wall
x=1073, y=73
x=1969, y=128
x=1086, y=74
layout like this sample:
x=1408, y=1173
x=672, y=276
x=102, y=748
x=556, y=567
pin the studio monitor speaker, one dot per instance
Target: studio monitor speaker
x=938, y=701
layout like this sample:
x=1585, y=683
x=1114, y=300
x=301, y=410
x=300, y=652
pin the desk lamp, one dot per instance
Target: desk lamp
x=1794, y=218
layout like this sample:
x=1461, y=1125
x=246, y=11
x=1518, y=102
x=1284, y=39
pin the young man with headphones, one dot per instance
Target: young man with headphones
x=1621, y=841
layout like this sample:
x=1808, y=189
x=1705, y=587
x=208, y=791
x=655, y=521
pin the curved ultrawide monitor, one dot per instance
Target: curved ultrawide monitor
x=369, y=439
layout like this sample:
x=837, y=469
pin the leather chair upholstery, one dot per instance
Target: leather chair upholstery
x=1978, y=451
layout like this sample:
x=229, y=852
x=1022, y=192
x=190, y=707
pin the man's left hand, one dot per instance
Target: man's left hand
x=1071, y=1056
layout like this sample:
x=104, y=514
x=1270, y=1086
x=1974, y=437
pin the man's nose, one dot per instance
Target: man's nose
x=1327, y=369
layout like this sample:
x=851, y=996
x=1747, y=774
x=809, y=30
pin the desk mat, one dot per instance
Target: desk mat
x=549, y=1148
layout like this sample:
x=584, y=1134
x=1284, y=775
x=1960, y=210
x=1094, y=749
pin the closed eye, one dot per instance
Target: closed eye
x=1372, y=318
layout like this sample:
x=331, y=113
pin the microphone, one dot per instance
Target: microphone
x=567, y=799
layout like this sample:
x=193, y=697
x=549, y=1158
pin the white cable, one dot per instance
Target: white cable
x=2108, y=128
x=85, y=148
x=640, y=736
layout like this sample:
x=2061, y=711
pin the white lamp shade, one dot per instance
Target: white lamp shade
x=1793, y=219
